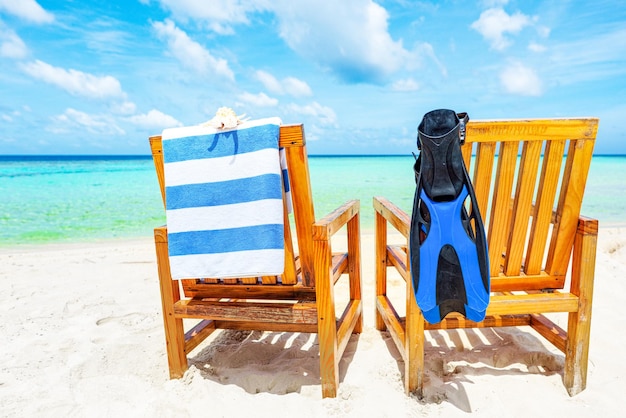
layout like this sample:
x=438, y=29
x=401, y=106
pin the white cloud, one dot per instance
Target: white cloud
x=270, y=82
x=11, y=45
x=521, y=80
x=75, y=82
x=349, y=37
x=407, y=84
x=154, y=119
x=13, y=116
x=494, y=3
x=27, y=9
x=296, y=87
x=543, y=31
x=535, y=47
x=190, y=53
x=72, y=120
x=289, y=85
x=124, y=108
x=494, y=23
x=218, y=14
x=324, y=114
x=261, y=99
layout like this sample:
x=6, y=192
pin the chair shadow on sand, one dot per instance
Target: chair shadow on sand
x=263, y=362
x=452, y=357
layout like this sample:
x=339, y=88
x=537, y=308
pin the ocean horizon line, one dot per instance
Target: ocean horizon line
x=35, y=157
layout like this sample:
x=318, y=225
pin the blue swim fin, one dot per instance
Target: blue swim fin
x=447, y=243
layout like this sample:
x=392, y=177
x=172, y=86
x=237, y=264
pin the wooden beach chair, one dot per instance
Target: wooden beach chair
x=302, y=299
x=531, y=210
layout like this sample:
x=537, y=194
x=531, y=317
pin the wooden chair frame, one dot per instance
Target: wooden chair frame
x=302, y=299
x=531, y=207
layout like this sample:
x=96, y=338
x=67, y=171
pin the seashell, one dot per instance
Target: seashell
x=225, y=118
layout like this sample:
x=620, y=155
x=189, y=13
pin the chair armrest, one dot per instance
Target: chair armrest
x=398, y=218
x=160, y=234
x=331, y=223
x=587, y=225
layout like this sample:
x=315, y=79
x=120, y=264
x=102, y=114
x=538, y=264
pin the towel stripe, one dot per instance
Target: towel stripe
x=214, y=265
x=259, y=237
x=259, y=212
x=210, y=170
x=224, y=193
x=219, y=144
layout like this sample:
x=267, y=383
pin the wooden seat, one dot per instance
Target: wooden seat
x=529, y=177
x=302, y=299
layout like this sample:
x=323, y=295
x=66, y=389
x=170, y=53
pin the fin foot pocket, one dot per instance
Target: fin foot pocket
x=450, y=288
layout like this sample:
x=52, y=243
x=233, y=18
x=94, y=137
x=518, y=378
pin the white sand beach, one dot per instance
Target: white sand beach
x=82, y=336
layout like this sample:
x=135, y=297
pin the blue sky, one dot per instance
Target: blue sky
x=99, y=77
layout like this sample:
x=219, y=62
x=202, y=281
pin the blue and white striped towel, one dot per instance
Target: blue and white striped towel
x=224, y=204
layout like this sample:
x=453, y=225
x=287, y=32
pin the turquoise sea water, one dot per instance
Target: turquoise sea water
x=65, y=199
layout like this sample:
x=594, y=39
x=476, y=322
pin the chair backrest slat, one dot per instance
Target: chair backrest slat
x=290, y=273
x=571, y=196
x=544, y=206
x=501, y=205
x=157, y=157
x=522, y=206
x=304, y=216
x=532, y=202
x=485, y=153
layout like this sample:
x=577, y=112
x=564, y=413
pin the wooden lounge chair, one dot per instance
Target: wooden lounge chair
x=302, y=299
x=531, y=211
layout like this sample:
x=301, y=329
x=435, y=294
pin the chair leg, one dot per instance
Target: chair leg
x=326, y=322
x=381, y=266
x=414, y=345
x=174, y=332
x=170, y=294
x=356, y=283
x=579, y=323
